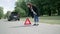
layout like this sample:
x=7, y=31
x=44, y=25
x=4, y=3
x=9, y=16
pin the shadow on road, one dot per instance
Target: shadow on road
x=21, y=26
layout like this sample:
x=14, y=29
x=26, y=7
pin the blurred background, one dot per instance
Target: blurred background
x=47, y=9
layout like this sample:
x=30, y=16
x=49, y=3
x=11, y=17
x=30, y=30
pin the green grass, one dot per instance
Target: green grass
x=50, y=19
x=46, y=19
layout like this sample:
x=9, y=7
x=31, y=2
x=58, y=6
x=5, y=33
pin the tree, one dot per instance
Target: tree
x=1, y=12
x=21, y=8
x=7, y=14
x=20, y=11
x=45, y=7
x=58, y=9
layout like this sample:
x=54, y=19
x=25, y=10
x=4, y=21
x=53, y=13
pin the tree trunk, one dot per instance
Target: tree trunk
x=49, y=12
x=59, y=12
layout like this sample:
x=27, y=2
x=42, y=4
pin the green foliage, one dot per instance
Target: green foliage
x=45, y=7
x=1, y=12
x=21, y=8
x=7, y=14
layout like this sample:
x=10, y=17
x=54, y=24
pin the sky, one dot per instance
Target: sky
x=8, y=5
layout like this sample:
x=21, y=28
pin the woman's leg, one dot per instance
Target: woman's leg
x=36, y=19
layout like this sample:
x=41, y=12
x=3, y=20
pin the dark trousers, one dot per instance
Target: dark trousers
x=36, y=19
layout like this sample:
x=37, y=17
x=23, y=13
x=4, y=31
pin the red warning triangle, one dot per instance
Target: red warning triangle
x=27, y=22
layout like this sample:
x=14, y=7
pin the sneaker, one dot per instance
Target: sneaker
x=34, y=24
x=37, y=24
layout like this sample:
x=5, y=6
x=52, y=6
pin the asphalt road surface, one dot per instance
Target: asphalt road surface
x=18, y=27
